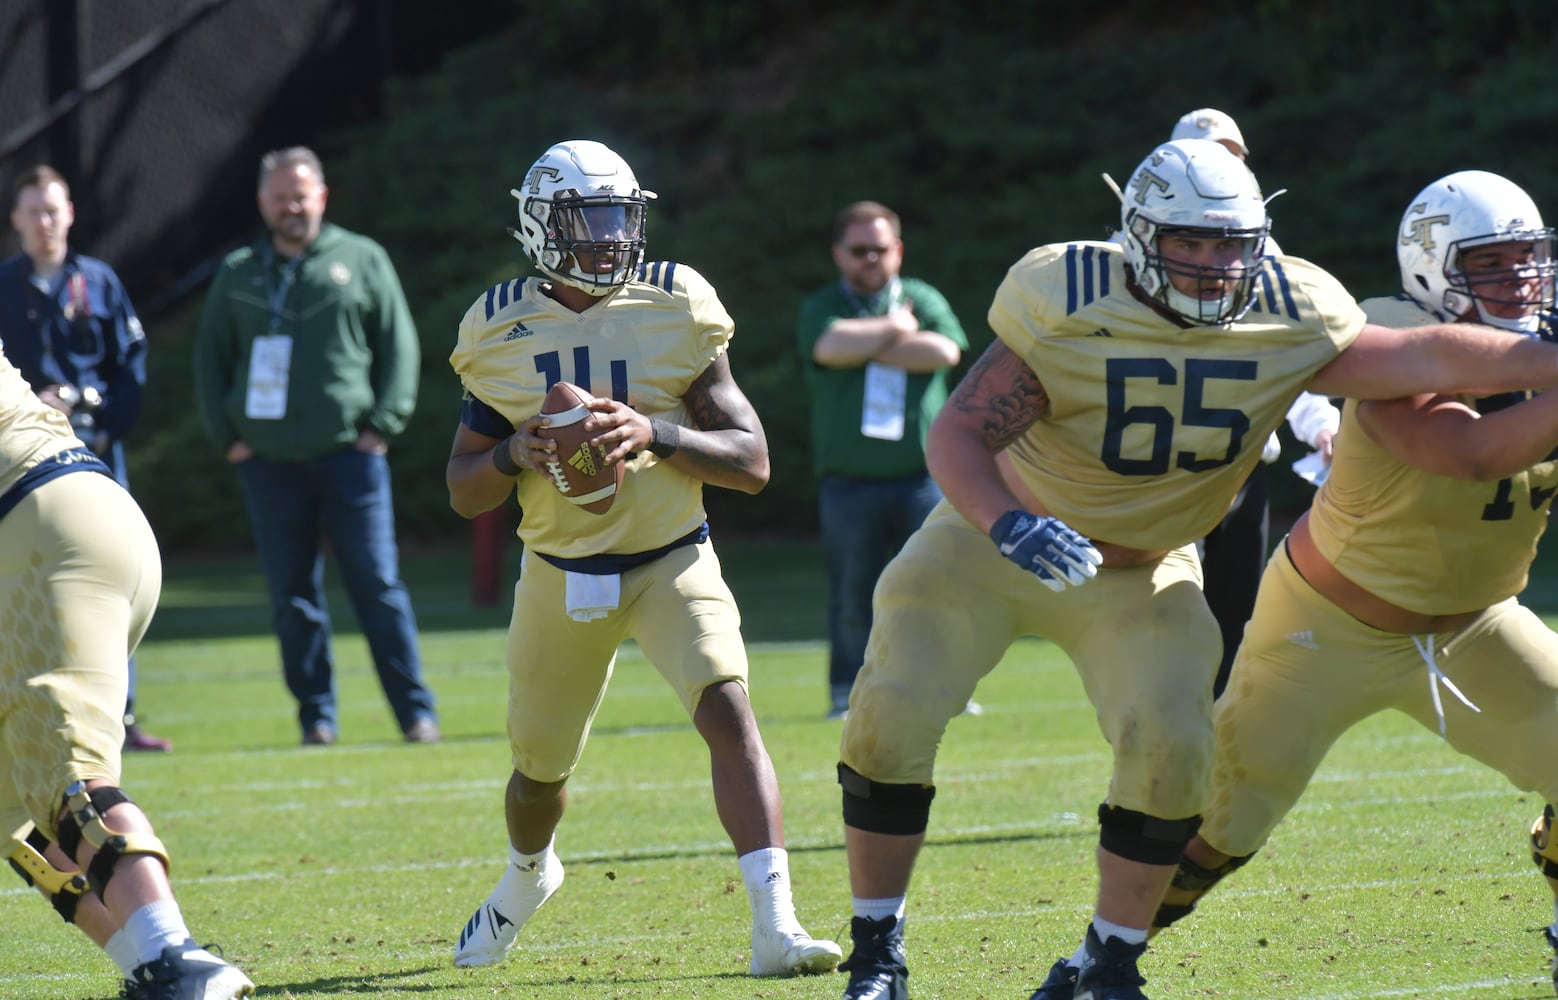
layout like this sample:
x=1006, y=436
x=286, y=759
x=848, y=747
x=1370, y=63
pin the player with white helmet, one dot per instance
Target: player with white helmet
x=1209, y=123
x=1233, y=554
x=1403, y=575
x=650, y=340
x=581, y=196
x=1193, y=187
x=1471, y=214
x=1102, y=433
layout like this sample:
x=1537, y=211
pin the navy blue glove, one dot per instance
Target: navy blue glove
x=1047, y=548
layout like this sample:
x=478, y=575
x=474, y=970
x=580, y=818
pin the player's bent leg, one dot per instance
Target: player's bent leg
x=83, y=822
x=1192, y=880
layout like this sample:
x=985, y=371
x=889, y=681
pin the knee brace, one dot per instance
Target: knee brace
x=1135, y=836
x=1543, y=851
x=62, y=889
x=876, y=807
x=1191, y=882
x=84, y=820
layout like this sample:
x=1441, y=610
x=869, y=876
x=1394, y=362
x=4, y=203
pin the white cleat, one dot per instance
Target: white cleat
x=492, y=930
x=799, y=954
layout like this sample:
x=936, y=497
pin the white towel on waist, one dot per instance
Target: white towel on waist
x=590, y=596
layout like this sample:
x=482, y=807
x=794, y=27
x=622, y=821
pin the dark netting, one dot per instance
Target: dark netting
x=157, y=111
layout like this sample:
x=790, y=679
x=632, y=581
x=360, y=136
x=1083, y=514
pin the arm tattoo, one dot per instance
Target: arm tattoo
x=725, y=430
x=1004, y=393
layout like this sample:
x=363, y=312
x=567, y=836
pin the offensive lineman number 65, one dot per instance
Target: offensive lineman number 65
x=1195, y=414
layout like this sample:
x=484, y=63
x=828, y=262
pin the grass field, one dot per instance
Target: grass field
x=349, y=871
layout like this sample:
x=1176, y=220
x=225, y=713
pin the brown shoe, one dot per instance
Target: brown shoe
x=137, y=740
x=318, y=735
x=424, y=730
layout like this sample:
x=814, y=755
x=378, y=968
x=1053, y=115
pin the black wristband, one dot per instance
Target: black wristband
x=664, y=437
x=503, y=461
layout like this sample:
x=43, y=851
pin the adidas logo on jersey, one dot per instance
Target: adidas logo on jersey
x=1306, y=638
x=517, y=331
x=1102, y=331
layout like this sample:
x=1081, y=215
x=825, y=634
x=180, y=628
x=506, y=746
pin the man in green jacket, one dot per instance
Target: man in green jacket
x=306, y=363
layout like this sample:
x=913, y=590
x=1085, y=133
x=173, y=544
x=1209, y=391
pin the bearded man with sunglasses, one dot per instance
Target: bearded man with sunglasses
x=876, y=348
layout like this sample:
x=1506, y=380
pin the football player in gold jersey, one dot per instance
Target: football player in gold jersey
x=1127, y=396
x=649, y=339
x=79, y=579
x=1399, y=584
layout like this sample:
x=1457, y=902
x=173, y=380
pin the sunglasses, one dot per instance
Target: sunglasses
x=861, y=252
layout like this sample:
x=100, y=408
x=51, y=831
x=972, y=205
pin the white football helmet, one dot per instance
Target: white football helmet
x=580, y=198
x=1463, y=211
x=1194, y=187
x=1209, y=123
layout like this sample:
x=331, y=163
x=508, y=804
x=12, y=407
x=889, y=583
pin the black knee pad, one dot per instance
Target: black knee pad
x=1135, y=836
x=876, y=807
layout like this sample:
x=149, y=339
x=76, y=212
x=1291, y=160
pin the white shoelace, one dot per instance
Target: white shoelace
x=1425, y=649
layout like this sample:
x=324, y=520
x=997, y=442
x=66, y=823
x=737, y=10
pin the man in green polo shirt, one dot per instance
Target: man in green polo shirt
x=876, y=348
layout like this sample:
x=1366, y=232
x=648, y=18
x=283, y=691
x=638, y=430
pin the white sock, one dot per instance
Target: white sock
x=1555, y=913
x=524, y=870
x=153, y=927
x=879, y=909
x=766, y=874
x=120, y=950
x=1106, y=929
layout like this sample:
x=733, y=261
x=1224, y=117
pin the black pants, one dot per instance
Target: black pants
x=1233, y=558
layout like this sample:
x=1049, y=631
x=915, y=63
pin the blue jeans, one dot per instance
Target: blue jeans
x=343, y=498
x=864, y=524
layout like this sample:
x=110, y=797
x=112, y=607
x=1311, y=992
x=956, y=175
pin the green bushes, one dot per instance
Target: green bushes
x=987, y=131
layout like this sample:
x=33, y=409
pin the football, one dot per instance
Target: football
x=577, y=470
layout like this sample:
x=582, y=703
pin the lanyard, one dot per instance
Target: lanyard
x=276, y=295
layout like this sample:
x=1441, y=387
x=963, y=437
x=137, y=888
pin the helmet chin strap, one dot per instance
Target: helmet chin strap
x=1195, y=309
x=1530, y=324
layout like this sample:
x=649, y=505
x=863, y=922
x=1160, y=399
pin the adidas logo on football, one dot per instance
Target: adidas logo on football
x=517, y=331
x=1306, y=638
x=583, y=460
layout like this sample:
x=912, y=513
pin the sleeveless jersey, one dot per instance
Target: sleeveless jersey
x=1425, y=542
x=1151, y=427
x=644, y=346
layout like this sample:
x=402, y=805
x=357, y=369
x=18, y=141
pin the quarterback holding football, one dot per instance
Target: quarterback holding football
x=600, y=393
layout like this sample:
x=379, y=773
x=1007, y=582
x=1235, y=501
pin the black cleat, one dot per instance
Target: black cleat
x=1108, y=970
x=1060, y=984
x=876, y=965
x=187, y=972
